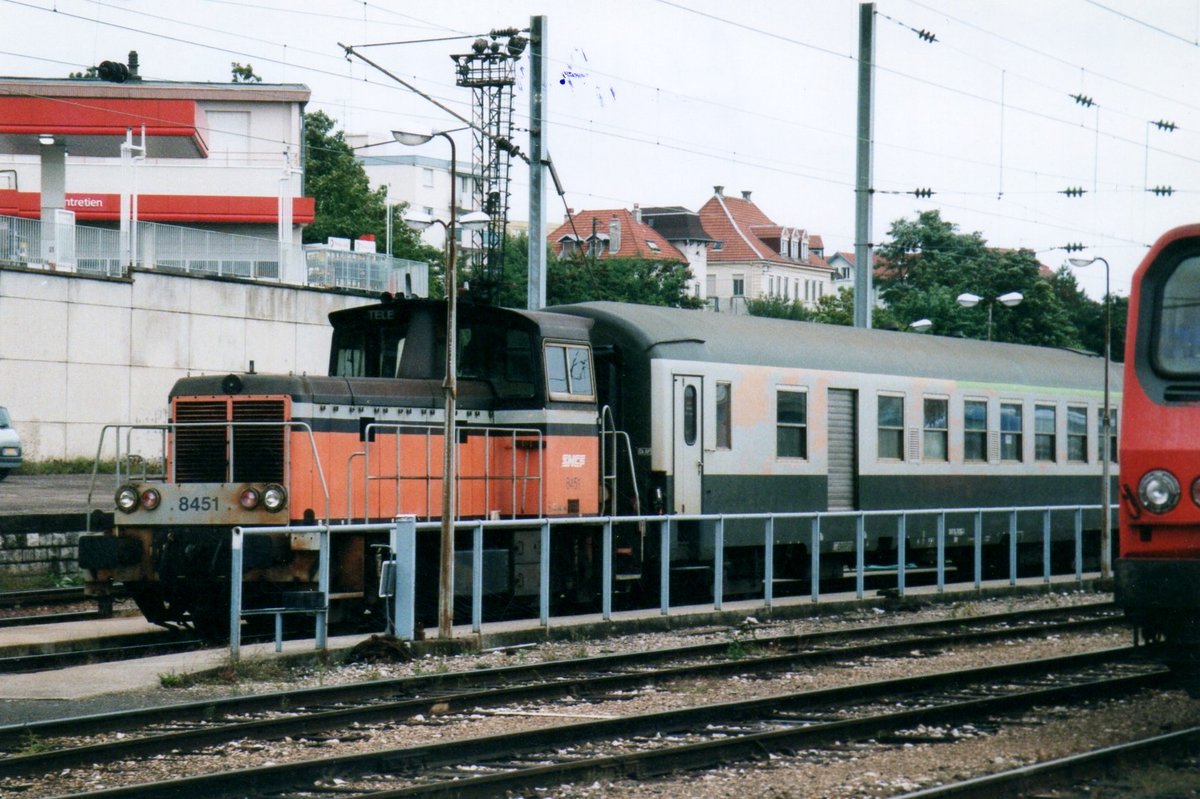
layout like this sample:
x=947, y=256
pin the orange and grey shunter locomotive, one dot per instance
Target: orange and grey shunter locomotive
x=364, y=444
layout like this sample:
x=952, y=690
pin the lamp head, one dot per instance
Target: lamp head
x=967, y=300
x=921, y=325
x=1011, y=298
x=411, y=139
x=417, y=221
x=46, y=139
x=476, y=220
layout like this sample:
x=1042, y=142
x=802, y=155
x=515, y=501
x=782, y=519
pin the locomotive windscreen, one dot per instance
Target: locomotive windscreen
x=1177, y=337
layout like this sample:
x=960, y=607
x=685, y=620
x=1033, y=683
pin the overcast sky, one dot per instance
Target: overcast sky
x=668, y=98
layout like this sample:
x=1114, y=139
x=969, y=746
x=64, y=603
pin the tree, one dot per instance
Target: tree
x=636, y=280
x=930, y=264
x=347, y=207
x=243, y=74
x=779, y=308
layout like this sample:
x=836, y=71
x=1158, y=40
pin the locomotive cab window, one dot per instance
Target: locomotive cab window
x=569, y=372
x=1177, y=335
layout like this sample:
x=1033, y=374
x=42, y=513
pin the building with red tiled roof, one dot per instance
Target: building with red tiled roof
x=752, y=257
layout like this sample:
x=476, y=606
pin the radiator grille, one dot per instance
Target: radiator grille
x=202, y=454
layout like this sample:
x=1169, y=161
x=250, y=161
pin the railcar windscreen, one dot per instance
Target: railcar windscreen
x=1177, y=337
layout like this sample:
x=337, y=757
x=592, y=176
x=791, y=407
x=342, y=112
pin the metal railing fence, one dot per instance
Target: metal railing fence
x=171, y=248
x=400, y=569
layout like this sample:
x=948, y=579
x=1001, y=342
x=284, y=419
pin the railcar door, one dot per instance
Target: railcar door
x=688, y=466
x=843, y=449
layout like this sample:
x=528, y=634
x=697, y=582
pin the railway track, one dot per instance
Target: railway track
x=45, y=747
x=697, y=737
x=27, y=607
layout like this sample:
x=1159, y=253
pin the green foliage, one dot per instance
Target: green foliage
x=779, y=308
x=346, y=207
x=636, y=280
x=65, y=466
x=91, y=73
x=930, y=263
x=31, y=744
x=243, y=73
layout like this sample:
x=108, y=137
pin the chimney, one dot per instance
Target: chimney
x=567, y=217
x=637, y=213
x=746, y=196
x=133, y=66
x=719, y=191
x=614, y=235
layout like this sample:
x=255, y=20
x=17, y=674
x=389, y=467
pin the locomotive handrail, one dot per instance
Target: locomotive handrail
x=606, y=416
x=166, y=427
x=489, y=432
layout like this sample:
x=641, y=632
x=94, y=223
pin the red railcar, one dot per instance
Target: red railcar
x=1158, y=571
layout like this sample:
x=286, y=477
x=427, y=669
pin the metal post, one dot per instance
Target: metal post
x=404, y=550
x=901, y=551
x=536, y=295
x=769, y=562
x=664, y=567
x=322, y=615
x=978, y=549
x=860, y=555
x=477, y=579
x=719, y=563
x=449, y=436
x=863, y=254
x=235, y=595
x=606, y=567
x=1012, y=547
x=941, y=553
x=1046, y=547
x=814, y=552
x=544, y=577
x=1079, y=545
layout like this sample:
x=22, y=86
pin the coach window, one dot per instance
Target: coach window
x=937, y=429
x=1077, y=433
x=569, y=372
x=1011, y=440
x=724, y=415
x=975, y=426
x=791, y=424
x=891, y=428
x=1045, y=439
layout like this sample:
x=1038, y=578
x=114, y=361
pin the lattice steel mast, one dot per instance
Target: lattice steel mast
x=490, y=71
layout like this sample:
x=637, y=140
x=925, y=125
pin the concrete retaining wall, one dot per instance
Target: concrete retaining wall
x=79, y=352
x=30, y=546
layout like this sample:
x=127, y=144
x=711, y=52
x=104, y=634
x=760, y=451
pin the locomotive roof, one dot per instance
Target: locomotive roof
x=700, y=335
x=548, y=324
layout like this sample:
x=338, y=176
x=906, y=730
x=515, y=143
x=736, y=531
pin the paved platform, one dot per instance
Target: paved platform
x=78, y=682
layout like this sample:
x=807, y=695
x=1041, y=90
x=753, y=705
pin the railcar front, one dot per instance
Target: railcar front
x=364, y=444
x=1158, y=571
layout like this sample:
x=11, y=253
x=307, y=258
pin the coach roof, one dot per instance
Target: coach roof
x=695, y=335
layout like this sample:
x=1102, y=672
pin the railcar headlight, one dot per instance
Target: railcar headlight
x=249, y=498
x=1196, y=491
x=151, y=498
x=1158, y=491
x=127, y=499
x=274, y=497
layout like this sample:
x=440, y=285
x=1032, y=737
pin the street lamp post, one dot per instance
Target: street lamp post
x=1106, y=428
x=450, y=388
x=968, y=300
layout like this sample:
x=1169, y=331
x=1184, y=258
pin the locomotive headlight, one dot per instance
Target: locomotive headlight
x=127, y=499
x=151, y=498
x=1158, y=491
x=274, y=498
x=249, y=498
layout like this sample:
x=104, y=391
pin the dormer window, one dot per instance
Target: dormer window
x=718, y=245
x=653, y=246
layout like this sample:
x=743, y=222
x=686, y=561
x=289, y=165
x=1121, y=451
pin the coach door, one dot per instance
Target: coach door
x=688, y=464
x=843, y=449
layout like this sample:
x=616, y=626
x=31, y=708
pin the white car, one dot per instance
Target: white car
x=10, y=445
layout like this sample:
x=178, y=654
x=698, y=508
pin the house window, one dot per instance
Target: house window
x=791, y=423
x=975, y=425
x=724, y=415
x=739, y=285
x=891, y=428
x=427, y=177
x=1077, y=433
x=653, y=246
x=1045, y=442
x=937, y=429
x=718, y=245
x=566, y=248
x=1010, y=432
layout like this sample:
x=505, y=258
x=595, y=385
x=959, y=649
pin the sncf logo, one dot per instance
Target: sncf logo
x=570, y=461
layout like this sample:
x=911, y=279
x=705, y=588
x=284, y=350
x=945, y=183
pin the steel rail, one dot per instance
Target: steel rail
x=588, y=681
x=422, y=759
x=12, y=736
